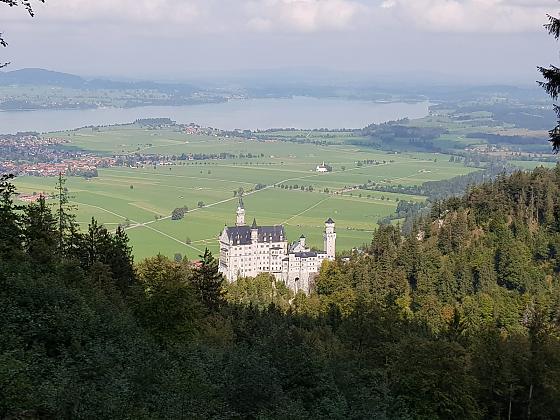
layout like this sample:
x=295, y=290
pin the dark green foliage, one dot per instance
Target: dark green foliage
x=457, y=319
x=396, y=135
x=10, y=220
x=552, y=82
x=39, y=232
x=433, y=378
x=208, y=283
x=166, y=303
x=456, y=186
x=98, y=246
x=67, y=228
x=179, y=213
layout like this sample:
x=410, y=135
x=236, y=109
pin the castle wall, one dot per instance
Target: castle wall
x=297, y=268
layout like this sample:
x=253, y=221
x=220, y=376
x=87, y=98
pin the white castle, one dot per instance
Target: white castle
x=246, y=251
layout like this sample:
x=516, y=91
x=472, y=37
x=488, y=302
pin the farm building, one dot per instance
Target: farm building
x=322, y=168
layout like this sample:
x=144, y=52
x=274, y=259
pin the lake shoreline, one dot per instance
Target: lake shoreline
x=237, y=114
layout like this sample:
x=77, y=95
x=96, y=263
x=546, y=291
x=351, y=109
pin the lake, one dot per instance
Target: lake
x=297, y=112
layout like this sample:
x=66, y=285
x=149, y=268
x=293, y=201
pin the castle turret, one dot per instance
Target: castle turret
x=240, y=221
x=302, y=241
x=329, y=239
x=254, y=232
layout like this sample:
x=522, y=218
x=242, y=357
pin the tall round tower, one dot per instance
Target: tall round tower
x=329, y=239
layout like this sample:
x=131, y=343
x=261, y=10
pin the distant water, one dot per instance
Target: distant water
x=297, y=112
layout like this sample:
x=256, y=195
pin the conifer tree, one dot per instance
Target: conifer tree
x=208, y=282
x=67, y=229
x=10, y=223
x=39, y=231
x=98, y=246
x=552, y=82
x=121, y=260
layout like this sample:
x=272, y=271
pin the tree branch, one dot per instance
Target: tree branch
x=14, y=3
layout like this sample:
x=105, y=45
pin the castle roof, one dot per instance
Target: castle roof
x=308, y=254
x=241, y=235
x=330, y=221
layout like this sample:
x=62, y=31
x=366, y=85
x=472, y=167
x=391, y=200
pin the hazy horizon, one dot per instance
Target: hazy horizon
x=301, y=76
x=430, y=41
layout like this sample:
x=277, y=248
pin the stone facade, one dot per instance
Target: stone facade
x=246, y=251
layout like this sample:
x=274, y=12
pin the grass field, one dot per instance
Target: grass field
x=146, y=196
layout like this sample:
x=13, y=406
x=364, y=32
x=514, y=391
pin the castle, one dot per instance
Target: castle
x=246, y=251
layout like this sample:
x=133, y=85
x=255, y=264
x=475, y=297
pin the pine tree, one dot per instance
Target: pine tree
x=10, y=221
x=552, y=84
x=119, y=258
x=98, y=246
x=92, y=244
x=167, y=306
x=39, y=231
x=512, y=263
x=67, y=228
x=208, y=282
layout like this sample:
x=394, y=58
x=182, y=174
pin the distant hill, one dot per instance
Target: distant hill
x=42, y=77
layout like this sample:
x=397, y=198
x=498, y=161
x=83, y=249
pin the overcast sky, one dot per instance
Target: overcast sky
x=466, y=40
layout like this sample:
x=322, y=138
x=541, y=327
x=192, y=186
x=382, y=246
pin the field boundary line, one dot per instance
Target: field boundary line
x=173, y=238
x=306, y=210
x=103, y=209
x=176, y=176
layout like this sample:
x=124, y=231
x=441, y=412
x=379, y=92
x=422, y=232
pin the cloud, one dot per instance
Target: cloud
x=110, y=11
x=483, y=16
x=303, y=15
x=259, y=15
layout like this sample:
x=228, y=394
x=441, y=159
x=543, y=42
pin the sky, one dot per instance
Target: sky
x=445, y=41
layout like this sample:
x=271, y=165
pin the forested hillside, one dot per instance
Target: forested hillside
x=456, y=320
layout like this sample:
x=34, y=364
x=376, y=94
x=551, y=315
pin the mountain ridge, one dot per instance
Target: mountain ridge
x=42, y=77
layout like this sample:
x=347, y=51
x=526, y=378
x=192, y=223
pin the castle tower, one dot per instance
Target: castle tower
x=329, y=239
x=240, y=213
x=254, y=232
x=302, y=241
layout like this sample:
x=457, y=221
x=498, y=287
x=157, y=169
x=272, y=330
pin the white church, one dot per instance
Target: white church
x=246, y=251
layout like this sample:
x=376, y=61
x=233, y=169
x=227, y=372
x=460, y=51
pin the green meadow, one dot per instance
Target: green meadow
x=144, y=197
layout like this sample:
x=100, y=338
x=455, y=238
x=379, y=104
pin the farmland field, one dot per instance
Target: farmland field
x=143, y=197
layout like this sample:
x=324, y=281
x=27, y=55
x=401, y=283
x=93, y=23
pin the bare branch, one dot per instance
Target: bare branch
x=14, y=3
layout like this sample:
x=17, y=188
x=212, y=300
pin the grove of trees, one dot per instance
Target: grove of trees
x=457, y=319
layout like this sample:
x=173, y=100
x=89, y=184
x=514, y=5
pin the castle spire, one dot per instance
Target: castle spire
x=254, y=232
x=240, y=221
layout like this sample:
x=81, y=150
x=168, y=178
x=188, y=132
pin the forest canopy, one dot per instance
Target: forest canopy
x=457, y=319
